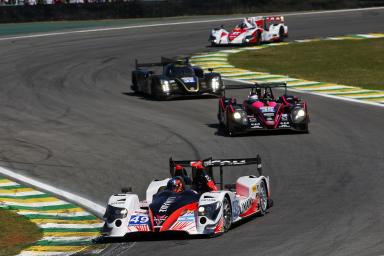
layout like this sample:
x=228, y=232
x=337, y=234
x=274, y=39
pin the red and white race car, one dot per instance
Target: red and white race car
x=190, y=204
x=251, y=31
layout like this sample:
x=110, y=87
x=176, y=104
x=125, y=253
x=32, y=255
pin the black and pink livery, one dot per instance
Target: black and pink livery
x=262, y=110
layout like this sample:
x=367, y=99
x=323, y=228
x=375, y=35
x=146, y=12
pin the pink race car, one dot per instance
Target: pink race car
x=263, y=110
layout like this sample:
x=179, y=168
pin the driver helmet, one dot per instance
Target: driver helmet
x=253, y=98
x=175, y=185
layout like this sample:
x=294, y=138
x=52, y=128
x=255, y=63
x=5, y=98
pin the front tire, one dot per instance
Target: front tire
x=230, y=131
x=155, y=91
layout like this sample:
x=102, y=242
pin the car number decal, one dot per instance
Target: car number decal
x=267, y=109
x=138, y=219
x=188, y=79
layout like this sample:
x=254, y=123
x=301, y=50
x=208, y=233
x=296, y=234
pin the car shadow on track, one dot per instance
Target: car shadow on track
x=147, y=237
x=149, y=98
x=221, y=131
x=167, y=236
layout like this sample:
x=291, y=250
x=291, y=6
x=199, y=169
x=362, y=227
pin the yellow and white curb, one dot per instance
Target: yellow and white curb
x=219, y=61
x=67, y=229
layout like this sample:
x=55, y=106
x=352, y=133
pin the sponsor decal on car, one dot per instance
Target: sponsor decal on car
x=159, y=219
x=235, y=208
x=167, y=203
x=225, y=162
x=188, y=79
x=189, y=216
x=267, y=109
x=245, y=205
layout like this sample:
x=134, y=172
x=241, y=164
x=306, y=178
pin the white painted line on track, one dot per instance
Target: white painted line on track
x=39, y=204
x=20, y=194
x=30, y=253
x=72, y=214
x=69, y=226
x=8, y=184
x=81, y=201
x=318, y=94
x=178, y=23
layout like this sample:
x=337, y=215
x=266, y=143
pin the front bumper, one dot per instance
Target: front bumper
x=181, y=94
x=253, y=124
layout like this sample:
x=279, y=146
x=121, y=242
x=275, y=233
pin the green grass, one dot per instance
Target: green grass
x=17, y=232
x=349, y=62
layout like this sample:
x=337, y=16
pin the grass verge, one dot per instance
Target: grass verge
x=349, y=62
x=17, y=232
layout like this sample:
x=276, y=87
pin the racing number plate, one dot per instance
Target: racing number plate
x=188, y=79
x=138, y=220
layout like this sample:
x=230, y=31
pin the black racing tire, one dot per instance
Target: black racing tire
x=227, y=214
x=134, y=83
x=281, y=34
x=230, y=131
x=258, y=36
x=219, y=115
x=155, y=91
x=263, y=199
x=303, y=128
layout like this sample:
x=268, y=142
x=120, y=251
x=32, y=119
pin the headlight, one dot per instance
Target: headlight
x=298, y=115
x=124, y=212
x=215, y=83
x=210, y=210
x=237, y=115
x=165, y=85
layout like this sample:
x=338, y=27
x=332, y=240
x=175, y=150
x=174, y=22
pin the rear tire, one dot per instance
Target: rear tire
x=219, y=113
x=258, y=36
x=281, y=34
x=263, y=199
x=227, y=214
x=134, y=83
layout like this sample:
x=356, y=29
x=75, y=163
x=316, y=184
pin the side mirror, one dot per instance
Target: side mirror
x=126, y=190
x=210, y=70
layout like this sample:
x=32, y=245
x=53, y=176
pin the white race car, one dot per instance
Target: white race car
x=251, y=31
x=190, y=204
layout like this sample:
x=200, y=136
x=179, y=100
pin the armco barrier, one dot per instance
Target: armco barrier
x=166, y=8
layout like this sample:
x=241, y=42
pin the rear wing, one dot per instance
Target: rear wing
x=210, y=163
x=164, y=61
x=257, y=85
x=274, y=18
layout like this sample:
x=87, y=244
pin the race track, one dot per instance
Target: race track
x=68, y=118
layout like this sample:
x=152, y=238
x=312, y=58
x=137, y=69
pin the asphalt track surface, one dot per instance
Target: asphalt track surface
x=68, y=118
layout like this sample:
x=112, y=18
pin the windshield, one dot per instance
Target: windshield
x=242, y=25
x=180, y=71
